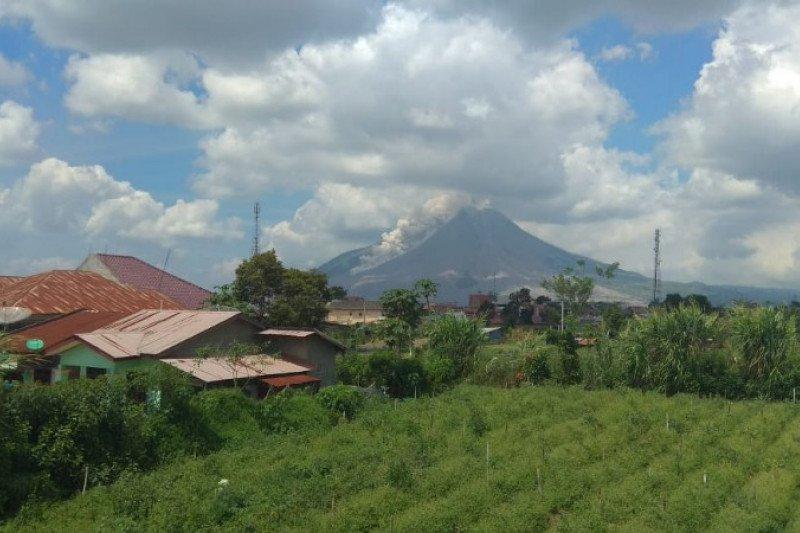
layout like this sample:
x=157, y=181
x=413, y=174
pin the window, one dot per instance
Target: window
x=41, y=375
x=92, y=372
x=70, y=372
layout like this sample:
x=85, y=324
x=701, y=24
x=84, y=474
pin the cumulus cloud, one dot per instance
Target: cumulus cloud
x=19, y=132
x=57, y=198
x=13, y=73
x=620, y=52
x=743, y=117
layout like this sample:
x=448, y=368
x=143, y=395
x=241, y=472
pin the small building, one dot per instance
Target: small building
x=308, y=347
x=138, y=340
x=134, y=272
x=353, y=311
x=259, y=374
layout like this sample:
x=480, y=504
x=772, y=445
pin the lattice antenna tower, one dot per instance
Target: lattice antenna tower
x=256, y=228
x=657, y=267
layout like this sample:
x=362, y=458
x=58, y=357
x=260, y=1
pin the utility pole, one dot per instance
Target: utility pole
x=256, y=229
x=657, y=267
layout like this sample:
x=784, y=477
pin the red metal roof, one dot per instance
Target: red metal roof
x=288, y=381
x=216, y=369
x=133, y=271
x=60, y=329
x=6, y=281
x=65, y=291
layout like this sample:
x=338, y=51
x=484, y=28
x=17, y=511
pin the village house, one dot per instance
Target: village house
x=309, y=347
x=136, y=273
x=353, y=310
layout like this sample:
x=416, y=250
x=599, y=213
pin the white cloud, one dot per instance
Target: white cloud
x=12, y=73
x=56, y=198
x=19, y=132
x=620, y=52
x=743, y=117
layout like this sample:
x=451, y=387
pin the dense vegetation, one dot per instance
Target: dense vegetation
x=56, y=439
x=476, y=457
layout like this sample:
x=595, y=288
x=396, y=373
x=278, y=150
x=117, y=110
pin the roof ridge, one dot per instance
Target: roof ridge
x=164, y=270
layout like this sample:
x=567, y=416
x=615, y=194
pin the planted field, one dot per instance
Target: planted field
x=480, y=458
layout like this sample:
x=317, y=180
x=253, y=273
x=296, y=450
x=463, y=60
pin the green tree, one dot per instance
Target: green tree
x=225, y=297
x=301, y=300
x=402, y=304
x=259, y=280
x=426, y=288
x=519, y=307
x=336, y=293
x=613, y=321
x=574, y=288
x=397, y=333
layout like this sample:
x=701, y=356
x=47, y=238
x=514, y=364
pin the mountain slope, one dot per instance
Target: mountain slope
x=482, y=250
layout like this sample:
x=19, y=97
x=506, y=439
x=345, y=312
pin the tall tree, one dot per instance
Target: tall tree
x=402, y=304
x=259, y=280
x=301, y=300
x=518, y=310
x=426, y=288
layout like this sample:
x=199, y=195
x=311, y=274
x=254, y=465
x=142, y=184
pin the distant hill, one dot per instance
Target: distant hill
x=481, y=250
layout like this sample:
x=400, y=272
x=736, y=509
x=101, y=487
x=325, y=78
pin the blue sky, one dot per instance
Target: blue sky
x=373, y=123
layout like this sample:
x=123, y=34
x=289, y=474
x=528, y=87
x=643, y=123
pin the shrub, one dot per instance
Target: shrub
x=669, y=350
x=353, y=369
x=457, y=339
x=603, y=365
x=764, y=344
x=536, y=367
x=440, y=371
x=291, y=411
x=341, y=400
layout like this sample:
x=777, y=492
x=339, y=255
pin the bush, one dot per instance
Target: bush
x=457, y=339
x=341, y=400
x=764, y=344
x=353, y=369
x=536, y=367
x=603, y=366
x=439, y=371
x=292, y=411
x=669, y=350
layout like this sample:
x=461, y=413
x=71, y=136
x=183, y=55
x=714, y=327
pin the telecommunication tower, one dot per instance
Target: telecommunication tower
x=657, y=267
x=256, y=229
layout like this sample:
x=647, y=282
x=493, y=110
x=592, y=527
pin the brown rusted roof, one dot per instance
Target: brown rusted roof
x=152, y=332
x=62, y=328
x=217, y=369
x=301, y=333
x=6, y=281
x=65, y=291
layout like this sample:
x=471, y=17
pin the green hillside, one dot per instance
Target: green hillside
x=479, y=458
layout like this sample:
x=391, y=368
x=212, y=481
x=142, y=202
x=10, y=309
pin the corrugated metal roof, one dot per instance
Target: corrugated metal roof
x=152, y=332
x=137, y=273
x=355, y=304
x=215, y=369
x=299, y=333
x=65, y=291
x=6, y=281
x=62, y=328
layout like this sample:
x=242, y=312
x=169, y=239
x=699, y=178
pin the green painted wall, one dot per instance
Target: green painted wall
x=83, y=357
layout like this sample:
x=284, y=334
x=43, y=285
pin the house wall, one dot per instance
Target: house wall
x=227, y=334
x=354, y=316
x=93, y=264
x=316, y=351
x=84, y=357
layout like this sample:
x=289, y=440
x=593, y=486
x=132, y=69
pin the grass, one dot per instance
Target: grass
x=479, y=458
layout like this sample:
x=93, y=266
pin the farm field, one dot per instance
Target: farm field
x=479, y=458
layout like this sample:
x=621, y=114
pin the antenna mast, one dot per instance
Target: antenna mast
x=657, y=268
x=257, y=228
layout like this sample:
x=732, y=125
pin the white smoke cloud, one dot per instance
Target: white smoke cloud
x=412, y=230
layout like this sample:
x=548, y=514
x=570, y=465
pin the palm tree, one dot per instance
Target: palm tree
x=426, y=288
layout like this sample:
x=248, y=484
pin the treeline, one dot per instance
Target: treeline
x=743, y=352
x=55, y=440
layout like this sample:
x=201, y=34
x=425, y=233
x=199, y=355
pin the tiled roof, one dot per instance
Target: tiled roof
x=65, y=291
x=214, y=369
x=152, y=332
x=133, y=271
x=62, y=328
x=299, y=333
